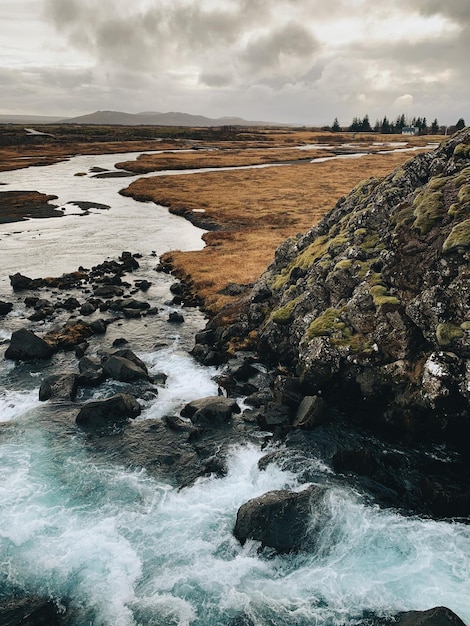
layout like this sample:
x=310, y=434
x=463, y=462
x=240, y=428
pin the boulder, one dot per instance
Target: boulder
x=311, y=412
x=26, y=346
x=280, y=519
x=113, y=411
x=437, y=616
x=120, y=368
x=20, y=282
x=175, y=318
x=59, y=387
x=210, y=412
x=91, y=372
x=5, y=307
x=24, y=610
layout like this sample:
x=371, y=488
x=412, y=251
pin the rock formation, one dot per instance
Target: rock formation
x=371, y=308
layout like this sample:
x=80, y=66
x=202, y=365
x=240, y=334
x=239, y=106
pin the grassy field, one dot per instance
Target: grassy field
x=254, y=211
x=248, y=212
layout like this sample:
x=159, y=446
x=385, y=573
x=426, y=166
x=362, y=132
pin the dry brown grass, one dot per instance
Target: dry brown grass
x=257, y=209
x=17, y=157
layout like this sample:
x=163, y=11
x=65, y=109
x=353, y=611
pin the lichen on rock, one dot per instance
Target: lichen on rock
x=382, y=279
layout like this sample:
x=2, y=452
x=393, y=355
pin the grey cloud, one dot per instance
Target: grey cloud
x=293, y=40
x=221, y=79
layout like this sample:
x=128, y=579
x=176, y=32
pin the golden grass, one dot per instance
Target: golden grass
x=257, y=209
x=17, y=157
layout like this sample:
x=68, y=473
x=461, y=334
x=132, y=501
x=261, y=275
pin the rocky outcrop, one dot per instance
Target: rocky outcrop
x=210, y=412
x=371, y=308
x=280, y=520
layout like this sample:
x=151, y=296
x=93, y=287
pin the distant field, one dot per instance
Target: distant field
x=251, y=211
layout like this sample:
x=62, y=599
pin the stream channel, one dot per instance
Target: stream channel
x=122, y=547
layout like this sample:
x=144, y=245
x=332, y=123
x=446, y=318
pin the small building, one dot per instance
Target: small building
x=409, y=130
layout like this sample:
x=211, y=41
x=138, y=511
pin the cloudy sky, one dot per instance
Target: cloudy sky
x=298, y=61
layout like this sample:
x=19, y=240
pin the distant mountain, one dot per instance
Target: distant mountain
x=157, y=119
x=29, y=119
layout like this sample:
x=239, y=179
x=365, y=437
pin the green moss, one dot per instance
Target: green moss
x=285, y=314
x=459, y=210
x=428, y=207
x=381, y=296
x=303, y=260
x=345, y=264
x=462, y=151
x=349, y=339
x=459, y=237
x=360, y=232
x=465, y=326
x=464, y=193
x=446, y=333
x=325, y=324
x=398, y=175
x=437, y=182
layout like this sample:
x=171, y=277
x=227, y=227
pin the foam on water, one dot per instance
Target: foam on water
x=187, y=380
x=135, y=551
x=14, y=404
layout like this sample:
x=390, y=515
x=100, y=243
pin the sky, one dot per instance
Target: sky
x=289, y=61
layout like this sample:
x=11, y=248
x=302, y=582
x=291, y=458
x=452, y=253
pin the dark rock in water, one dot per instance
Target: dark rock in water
x=21, y=283
x=143, y=285
x=59, y=387
x=112, y=411
x=210, y=412
x=70, y=304
x=311, y=412
x=129, y=260
x=120, y=341
x=108, y=290
x=98, y=327
x=25, y=610
x=437, y=616
x=87, y=308
x=175, y=317
x=91, y=372
x=26, y=346
x=5, y=307
x=132, y=313
x=80, y=349
x=280, y=519
x=128, y=354
x=119, y=368
x=70, y=335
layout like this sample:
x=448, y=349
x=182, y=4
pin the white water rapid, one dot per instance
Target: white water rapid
x=118, y=546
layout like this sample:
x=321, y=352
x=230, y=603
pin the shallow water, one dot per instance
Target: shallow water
x=120, y=547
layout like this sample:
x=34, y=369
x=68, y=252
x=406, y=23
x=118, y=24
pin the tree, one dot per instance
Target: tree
x=385, y=125
x=365, y=125
x=336, y=128
x=434, y=128
x=460, y=124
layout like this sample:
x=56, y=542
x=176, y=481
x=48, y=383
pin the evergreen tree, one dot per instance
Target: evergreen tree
x=434, y=128
x=424, y=127
x=365, y=125
x=460, y=124
x=385, y=125
x=336, y=128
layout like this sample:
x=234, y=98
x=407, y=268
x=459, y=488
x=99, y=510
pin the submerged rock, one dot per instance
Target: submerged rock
x=437, y=616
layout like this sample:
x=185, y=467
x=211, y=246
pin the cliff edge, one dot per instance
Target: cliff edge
x=370, y=308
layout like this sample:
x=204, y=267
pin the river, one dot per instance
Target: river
x=122, y=547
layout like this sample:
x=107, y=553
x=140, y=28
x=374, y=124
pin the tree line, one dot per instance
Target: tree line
x=387, y=126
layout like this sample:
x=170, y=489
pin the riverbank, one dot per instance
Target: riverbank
x=250, y=212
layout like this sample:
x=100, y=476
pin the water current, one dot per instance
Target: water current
x=121, y=547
